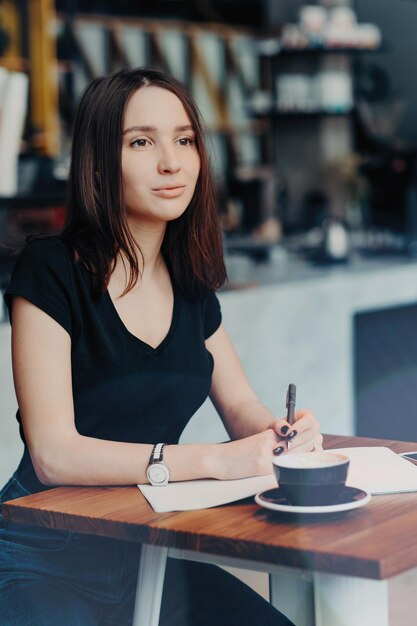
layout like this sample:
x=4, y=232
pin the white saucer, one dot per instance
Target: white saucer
x=349, y=498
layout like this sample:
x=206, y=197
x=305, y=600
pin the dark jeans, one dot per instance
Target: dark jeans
x=50, y=577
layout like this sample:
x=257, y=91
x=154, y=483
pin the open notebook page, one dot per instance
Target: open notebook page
x=377, y=470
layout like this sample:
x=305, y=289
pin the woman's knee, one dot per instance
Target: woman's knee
x=39, y=603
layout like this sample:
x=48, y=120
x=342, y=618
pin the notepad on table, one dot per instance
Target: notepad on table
x=377, y=470
x=203, y=494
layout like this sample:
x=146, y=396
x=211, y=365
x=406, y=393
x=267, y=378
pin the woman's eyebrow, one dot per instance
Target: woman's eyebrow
x=148, y=129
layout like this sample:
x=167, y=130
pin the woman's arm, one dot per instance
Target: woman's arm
x=41, y=351
x=241, y=411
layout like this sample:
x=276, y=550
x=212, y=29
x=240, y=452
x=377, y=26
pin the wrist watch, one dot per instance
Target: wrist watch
x=158, y=472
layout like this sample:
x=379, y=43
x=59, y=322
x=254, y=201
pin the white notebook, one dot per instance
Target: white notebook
x=377, y=470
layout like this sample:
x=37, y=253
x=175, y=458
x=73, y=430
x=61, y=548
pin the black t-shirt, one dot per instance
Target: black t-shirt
x=123, y=389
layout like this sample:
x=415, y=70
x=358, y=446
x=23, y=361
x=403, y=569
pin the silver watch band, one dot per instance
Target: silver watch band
x=157, y=455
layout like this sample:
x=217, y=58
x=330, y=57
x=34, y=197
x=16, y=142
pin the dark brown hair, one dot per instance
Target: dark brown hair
x=96, y=227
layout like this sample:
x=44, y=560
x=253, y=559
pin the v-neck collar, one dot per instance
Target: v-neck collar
x=146, y=346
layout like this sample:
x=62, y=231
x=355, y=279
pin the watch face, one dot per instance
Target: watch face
x=157, y=474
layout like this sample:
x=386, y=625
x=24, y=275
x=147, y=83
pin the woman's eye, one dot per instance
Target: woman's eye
x=186, y=141
x=139, y=143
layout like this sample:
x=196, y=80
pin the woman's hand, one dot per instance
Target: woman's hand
x=250, y=456
x=303, y=436
x=253, y=456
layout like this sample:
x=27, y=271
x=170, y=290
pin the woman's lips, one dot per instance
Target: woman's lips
x=169, y=192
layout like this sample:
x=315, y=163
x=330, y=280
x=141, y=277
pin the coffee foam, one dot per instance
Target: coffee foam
x=311, y=460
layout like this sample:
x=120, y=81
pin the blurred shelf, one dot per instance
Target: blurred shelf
x=273, y=48
x=276, y=113
x=255, y=249
x=255, y=127
x=327, y=50
x=247, y=242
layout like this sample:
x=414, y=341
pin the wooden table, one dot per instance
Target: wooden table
x=327, y=571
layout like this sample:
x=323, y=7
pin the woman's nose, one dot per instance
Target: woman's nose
x=168, y=161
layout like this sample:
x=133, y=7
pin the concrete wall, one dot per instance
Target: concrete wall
x=302, y=332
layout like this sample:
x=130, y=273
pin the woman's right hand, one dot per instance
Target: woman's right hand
x=251, y=456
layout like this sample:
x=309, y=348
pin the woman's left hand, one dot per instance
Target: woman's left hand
x=303, y=436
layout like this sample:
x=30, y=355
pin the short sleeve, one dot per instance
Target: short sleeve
x=42, y=276
x=212, y=314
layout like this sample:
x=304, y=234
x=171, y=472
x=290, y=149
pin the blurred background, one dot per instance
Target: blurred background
x=310, y=112
x=309, y=108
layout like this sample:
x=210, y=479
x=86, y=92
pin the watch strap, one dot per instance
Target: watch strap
x=157, y=455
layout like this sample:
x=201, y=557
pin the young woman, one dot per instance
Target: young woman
x=117, y=340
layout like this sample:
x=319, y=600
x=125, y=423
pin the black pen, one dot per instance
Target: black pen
x=290, y=404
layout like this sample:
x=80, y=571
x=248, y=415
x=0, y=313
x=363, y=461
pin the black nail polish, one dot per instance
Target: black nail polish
x=278, y=450
x=292, y=434
x=285, y=429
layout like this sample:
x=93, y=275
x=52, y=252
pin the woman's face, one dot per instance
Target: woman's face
x=160, y=162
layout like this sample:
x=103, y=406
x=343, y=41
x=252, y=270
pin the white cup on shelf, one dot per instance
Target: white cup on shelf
x=343, y=17
x=295, y=93
x=335, y=91
x=313, y=19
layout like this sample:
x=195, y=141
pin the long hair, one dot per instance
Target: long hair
x=97, y=229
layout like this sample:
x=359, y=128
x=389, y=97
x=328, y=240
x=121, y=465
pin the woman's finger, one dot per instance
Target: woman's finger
x=304, y=421
x=302, y=436
x=306, y=444
x=300, y=439
x=281, y=427
x=305, y=428
x=280, y=448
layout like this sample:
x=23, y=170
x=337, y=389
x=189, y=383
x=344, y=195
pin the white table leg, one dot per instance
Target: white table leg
x=150, y=584
x=293, y=595
x=350, y=601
